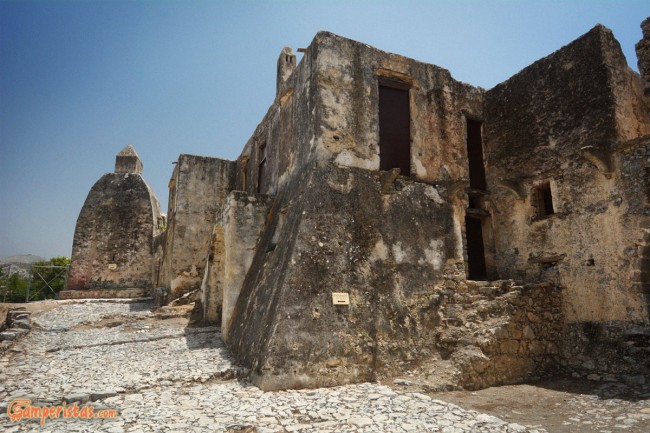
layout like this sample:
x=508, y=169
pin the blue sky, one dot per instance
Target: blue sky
x=79, y=80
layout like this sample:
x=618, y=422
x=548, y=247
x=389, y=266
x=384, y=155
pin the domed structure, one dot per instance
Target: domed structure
x=112, y=251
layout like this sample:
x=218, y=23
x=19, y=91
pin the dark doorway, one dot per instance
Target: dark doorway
x=475, y=249
x=475, y=155
x=394, y=129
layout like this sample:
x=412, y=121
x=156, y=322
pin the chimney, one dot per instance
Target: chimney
x=128, y=161
x=286, y=66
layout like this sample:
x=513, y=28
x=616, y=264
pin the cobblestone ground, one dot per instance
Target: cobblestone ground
x=161, y=376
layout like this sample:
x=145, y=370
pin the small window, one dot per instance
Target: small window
x=543, y=200
x=475, y=155
x=261, y=174
x=244, y=174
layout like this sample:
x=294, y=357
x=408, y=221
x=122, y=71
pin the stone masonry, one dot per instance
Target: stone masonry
x=386, y=217
x=112, y=252
x=197, y=191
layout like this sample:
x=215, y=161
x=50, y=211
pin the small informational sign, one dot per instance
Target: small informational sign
x=112, y=266
x=340, y=298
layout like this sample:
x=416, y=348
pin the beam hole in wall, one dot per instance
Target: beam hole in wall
x=394, y=128
x=543, y=200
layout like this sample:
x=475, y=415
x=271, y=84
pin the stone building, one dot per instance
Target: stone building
x=112, y=251
x=384, y=216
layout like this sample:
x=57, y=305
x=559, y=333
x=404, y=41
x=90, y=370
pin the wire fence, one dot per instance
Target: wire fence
x=44, y=282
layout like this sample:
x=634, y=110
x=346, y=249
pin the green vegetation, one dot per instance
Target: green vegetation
x=47, y=280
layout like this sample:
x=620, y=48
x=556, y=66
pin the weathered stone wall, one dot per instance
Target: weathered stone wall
x=618, y=348
x=112, y=247
x=243, y=220
x=232, y=247
x=559, y=121
x=386, y=240
x=197, y=190
x=285, y=140
x=643, y=54
x=328, y=112
x=610, y=350
x=409, y=302
x=397, y=245
x=633, y=158
x=348, y=74
x=333, y=230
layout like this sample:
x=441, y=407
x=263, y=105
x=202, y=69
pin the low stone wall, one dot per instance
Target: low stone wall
x=498, y=332
x=104, y=294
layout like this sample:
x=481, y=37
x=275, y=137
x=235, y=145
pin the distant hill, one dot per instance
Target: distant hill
x=18, y=264
x=24, y=259
x=9, y=269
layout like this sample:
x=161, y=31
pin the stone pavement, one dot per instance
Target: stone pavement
x=161, y=376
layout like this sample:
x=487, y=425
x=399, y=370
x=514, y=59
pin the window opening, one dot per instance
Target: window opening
x=394, y=129
x=244, y=178
x=475, y=155
x=261, y=175
x=544, y=200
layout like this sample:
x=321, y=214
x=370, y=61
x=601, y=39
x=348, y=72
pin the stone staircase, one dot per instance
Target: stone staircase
x=17, y=323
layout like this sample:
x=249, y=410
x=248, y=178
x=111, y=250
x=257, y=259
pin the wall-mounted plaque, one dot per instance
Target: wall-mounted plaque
x=112, y=266
x=340, y=298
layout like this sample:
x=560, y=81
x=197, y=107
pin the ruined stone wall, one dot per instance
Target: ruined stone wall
x=329, y=113
x=410, y=306
x=348, y=74
x=198, y=189
x=112, y=247
x=339, y=224
x=543, y=115
x=335, y=231
x=643, y=55
x=233, y=245
x=280, y=147
x=558, y=122
x=243, y=220
x=618, y=348
x=396, y=244
x=285, y=140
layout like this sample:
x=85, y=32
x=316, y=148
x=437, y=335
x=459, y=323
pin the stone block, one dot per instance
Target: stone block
x=161, y=296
